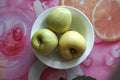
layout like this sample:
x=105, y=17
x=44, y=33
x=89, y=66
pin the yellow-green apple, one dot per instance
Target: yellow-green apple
x=59, y=19
x=72, y=45
x=44, y=41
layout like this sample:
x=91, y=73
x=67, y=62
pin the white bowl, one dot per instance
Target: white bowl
x=80, y=23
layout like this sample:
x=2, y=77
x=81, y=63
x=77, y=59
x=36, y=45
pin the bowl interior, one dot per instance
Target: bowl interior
x=81, y=24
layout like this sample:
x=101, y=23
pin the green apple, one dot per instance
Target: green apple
x=44, y=41
x=72, y=45
x=59, y=19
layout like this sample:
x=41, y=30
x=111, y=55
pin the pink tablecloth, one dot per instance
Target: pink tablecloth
x=17, y=61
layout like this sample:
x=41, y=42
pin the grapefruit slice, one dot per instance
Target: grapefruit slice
x=106, y=20
x=86, y=6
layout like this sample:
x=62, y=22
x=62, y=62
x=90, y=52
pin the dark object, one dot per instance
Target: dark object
x=84, y=78
x=115, y=74
x=61, y=78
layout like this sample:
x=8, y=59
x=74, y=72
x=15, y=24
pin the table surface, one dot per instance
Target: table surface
x=18, y=62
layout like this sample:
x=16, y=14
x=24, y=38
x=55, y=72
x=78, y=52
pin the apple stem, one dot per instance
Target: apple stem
x=39, y=41
x=72, y=50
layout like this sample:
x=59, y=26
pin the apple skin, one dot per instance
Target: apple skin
x=72, y=45
x=44, y=41
x=59, y=19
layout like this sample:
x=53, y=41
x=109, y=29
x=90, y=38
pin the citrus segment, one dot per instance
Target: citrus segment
x=105, y=18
